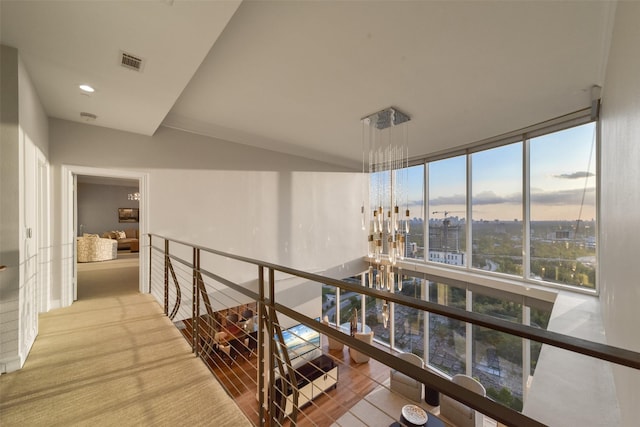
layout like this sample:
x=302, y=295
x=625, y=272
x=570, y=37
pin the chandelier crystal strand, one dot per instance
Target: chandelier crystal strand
x=385, y=313
x=386, y=138
x=363, y=215
x=407, y=219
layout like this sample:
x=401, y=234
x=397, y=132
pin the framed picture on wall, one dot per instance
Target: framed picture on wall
x=128, y=215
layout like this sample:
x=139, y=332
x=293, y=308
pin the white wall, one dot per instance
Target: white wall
x=620, y=202
x=98, y=207
x=24, y=150
x=239, y=199
x=9, y=210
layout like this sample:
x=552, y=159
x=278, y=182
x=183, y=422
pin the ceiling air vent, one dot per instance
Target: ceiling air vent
x=89, y=117
x=131, y=62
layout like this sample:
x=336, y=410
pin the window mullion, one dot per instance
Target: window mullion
x=469, y=336
x=526, y=211
x=526, y=351
x=468, y=231
x=425, y=219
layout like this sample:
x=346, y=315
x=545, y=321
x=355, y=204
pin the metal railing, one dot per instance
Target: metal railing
x=273, y=360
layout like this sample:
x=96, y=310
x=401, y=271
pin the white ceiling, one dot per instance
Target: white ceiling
x=298, y=76
x=105, y=180
x=66, y=43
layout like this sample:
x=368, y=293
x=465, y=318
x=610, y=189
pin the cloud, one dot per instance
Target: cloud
x=491, y=198
x=564, y=197
x=575, y=175
x=455, y=199
x=538, y=197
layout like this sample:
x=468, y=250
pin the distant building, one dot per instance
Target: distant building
x=451, y=258
x=445, y=236
x=561, y=235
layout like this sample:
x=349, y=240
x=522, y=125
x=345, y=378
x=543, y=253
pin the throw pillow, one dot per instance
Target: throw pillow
x=121, y=235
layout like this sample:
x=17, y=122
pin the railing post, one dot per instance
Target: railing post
x=150, y=259
x=272, y=349
x=195, y=304
x=261, y=331
x=166, y=277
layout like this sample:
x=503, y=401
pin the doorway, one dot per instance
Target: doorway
x=107, y=236
x=71, y=226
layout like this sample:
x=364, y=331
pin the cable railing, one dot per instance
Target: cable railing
x=257, y=366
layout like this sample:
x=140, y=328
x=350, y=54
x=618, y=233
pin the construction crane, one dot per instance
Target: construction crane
x=446, y=213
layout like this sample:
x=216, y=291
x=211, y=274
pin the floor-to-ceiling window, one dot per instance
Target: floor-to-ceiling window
x=415, y=240
x=447, y=337
x=330, y=305
x=527, y=207
x=409, y=322
x=496, y=182
x=563, y=206
x=524, y=209
x=497, y=357
x=447, y=211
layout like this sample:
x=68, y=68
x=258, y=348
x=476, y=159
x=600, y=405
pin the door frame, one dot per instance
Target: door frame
x=69, y=226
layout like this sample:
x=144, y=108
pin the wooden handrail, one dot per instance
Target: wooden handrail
x=601, y=351
x=483, y=404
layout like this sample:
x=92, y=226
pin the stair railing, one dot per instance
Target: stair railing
x=268, y=308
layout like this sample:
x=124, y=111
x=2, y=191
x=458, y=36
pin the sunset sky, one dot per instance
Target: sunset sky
x=563, y=174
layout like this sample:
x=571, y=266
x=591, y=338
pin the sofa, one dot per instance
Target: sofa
x=124, y=237
x=92, y=247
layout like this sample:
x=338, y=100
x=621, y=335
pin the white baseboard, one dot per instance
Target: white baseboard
x=10, y=364
x=54, y=304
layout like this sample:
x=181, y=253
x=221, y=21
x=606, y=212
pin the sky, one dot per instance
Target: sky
x=562, y=180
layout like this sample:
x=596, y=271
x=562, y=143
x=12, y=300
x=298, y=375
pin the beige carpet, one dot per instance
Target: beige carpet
x=113, y=358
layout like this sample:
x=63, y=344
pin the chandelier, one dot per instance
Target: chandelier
x=385, y=140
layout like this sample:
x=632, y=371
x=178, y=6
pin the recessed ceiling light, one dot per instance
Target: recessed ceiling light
x=86, y=88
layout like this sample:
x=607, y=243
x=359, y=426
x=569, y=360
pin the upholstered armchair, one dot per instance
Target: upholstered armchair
x=404, y=384
x=458, y=413
x=333, y=343
x=221, y=344
x=93, y=248
x=356, y=356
